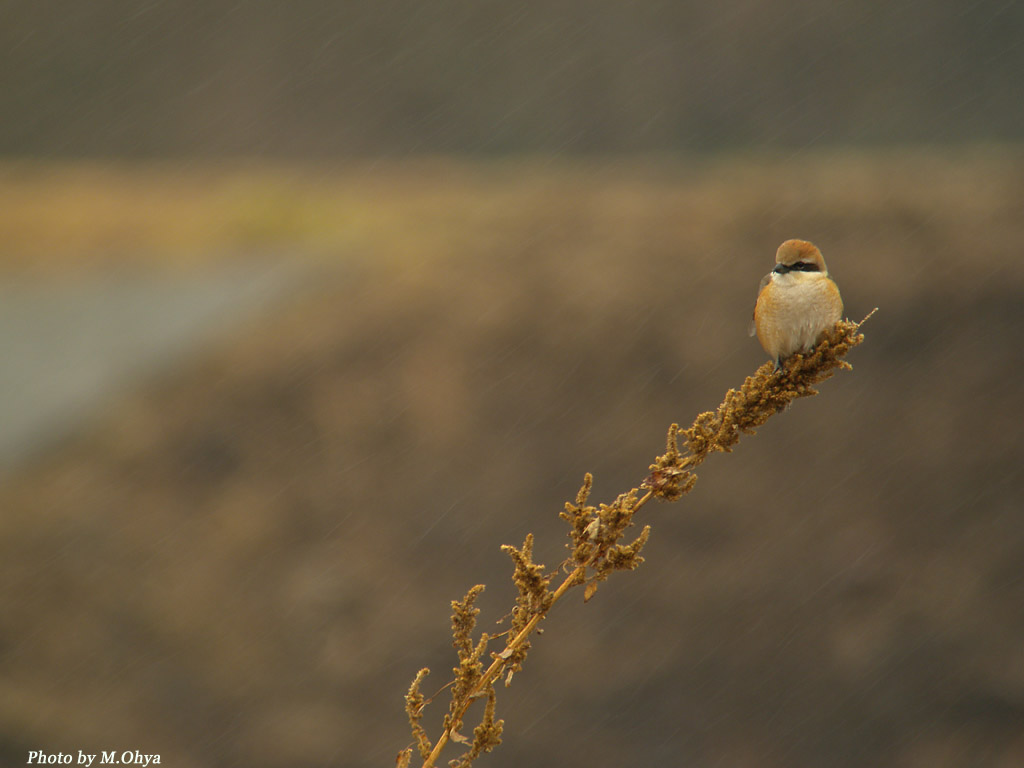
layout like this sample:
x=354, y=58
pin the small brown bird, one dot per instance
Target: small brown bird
x=796, y=303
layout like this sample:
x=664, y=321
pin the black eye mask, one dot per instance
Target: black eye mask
x=800, y=266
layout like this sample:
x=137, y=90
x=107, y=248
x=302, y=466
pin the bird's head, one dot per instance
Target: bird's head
x=799, y=256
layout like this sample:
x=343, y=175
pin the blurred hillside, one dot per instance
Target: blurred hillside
x=392, y=77
x=246, y=562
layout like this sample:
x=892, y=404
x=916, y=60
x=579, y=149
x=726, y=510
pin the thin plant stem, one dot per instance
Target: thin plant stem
x=596, y=545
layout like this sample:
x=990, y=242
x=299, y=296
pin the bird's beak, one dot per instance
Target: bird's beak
x=781, y=269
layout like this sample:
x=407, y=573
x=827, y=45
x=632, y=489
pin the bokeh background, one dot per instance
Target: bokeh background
x=307, y=308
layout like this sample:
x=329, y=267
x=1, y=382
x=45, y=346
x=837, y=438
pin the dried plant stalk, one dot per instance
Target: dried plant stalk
x=596, y=545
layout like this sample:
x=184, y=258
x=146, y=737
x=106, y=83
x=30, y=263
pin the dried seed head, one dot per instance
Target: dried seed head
x=595, y=535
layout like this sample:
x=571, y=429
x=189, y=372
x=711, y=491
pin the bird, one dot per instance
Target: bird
x=797, y=302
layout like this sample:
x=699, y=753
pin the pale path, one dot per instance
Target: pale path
x=69, y=345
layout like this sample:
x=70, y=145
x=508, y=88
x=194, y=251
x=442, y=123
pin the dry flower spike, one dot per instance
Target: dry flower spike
x=596, y=546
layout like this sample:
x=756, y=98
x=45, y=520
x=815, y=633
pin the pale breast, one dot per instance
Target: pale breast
x=794, y=311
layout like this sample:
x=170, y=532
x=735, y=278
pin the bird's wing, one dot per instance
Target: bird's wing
x=764, y=281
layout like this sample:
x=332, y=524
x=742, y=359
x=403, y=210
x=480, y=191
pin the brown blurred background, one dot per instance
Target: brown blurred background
x=149, y=78
x=306, y=309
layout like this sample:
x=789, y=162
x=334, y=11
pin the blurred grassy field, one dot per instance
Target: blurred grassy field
x=55, y=216
x=246, y=562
